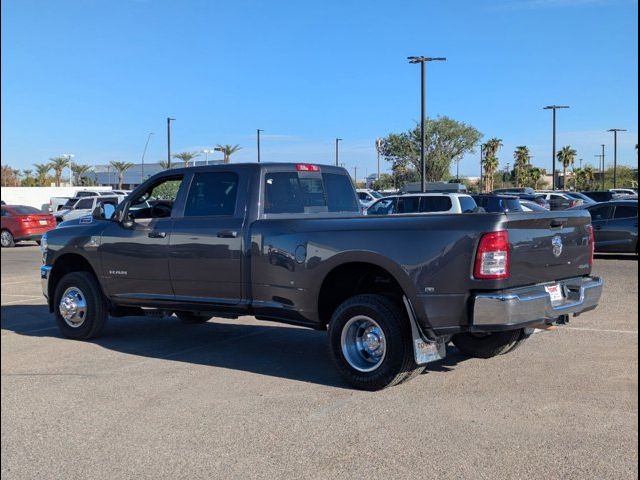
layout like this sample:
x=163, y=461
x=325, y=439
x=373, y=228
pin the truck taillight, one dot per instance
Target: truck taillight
x=305, y=167
x=492, y=259
x=592, y=244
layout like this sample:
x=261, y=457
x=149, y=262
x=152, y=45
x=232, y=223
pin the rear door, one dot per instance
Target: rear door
x=600, y=214
x=205, y=251
x=622, y=229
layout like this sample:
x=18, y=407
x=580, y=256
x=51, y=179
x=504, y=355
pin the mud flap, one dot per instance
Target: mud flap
x=424, y=351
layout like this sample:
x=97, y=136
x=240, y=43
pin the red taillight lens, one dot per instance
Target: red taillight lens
x=592, y=244
x=492, y=259
x=305, y=167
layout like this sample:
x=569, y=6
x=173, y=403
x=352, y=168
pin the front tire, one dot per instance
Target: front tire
x=80, y=307
x=6, y=239
x=489, y=344
x=370, y=342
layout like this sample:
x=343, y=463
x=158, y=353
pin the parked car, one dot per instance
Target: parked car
x=624, y=191
x=284, y=242
x=367, y=196
x=60, y=203
x=529, y=206
x=423, y=203
x=560, y=200
x=493, y=203
x=600, y=196
x=20, y=222
x=85, y=206
x=615, y=225
x=514, y=190
x=538, y=198
x=581, y=196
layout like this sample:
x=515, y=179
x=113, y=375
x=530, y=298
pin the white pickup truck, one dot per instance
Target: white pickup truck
x=85, y=206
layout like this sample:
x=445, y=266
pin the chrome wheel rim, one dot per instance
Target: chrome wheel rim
x=363, y=343
x=5, y=238
x=73, y=307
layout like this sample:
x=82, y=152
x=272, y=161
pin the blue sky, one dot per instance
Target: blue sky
x=93, y=77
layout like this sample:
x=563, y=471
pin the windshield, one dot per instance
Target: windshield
x=376, y=194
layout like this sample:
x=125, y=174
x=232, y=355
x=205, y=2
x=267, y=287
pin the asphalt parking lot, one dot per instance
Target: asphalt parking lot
x=153, y=398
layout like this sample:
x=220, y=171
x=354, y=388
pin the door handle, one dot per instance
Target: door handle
x=227, y=234
x=598, y=227
x=558, y=222
x=156, y=234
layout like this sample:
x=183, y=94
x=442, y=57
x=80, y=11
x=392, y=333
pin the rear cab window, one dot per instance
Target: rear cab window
x=308, y=189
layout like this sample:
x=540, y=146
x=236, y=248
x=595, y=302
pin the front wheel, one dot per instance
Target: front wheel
x=370, y=342
x=487, y=345
x=80, y=307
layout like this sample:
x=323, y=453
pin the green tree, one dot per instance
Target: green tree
x=121, y=167
x=446, y=141
x=58, y=164
x=78, y=171
x=385, y=182
x=227, y=151
x=567, y=157
x=42, y=173
x=521, y=161
x=585, y=178
x=9, y=177
x=186, y=157
x=490, y=161
x=164, y=164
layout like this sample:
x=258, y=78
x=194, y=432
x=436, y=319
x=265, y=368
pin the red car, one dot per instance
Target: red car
x=20, y=222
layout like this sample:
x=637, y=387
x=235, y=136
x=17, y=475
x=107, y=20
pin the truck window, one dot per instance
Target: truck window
x=435, y=204
x=292, y=192
x=84, y=204
x=212, y=194
x=157, y=201
x=623, y=211
x=408, y=204
x=600, y=213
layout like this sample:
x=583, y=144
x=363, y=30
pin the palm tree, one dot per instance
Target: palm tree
x=164, y=164
x=121, y=167
x=186, y=157
x=58, y=164
x=521, y=157
x=42, y=173
x=566, y=156
x=535, y=175
x=79, y=170
x=584, y=177
x=228, y=150
x=491, y=162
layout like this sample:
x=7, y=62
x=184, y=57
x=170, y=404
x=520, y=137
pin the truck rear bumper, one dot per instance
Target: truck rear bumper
x=520, y=307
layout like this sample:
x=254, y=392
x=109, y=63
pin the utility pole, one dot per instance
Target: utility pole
x=554, y=108
x=602, y=166
x=615, y=153
x=143, y=154
x=481, y=167
x=378, y=147
x=423, y=109
x=337, y=153
x=355, y=175
x=258, y=139
x=169, y=120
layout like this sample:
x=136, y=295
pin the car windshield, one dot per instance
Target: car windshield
x=25, y=210
x=376, y=194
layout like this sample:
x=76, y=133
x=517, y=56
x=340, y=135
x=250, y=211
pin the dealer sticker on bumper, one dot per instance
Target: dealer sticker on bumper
x=555, y=292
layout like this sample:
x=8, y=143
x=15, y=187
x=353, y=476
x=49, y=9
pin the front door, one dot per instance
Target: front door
x=205, y=256
x=135, y=253
x=599, y=216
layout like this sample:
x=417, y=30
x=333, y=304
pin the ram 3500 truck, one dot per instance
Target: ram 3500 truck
x=287, y=243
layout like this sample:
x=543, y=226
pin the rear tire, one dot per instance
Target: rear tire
x=370, y=342
x=191, y=318
x=490, y=344
x=80, y=308
x=6, y=239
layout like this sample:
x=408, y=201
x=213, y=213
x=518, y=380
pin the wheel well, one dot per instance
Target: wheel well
x=351, y=279
x=67, y=263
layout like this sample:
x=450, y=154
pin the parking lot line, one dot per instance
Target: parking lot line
x=21, y=301
x=17, y=283
x=634, y=332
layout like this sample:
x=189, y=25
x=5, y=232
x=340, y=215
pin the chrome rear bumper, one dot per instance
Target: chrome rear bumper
x=522, y=306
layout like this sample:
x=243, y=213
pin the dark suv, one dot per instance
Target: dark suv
x=498, y=203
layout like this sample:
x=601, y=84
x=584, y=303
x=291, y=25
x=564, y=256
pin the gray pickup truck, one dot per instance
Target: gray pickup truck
x=287, y=243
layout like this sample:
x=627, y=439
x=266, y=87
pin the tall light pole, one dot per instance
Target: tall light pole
x=206, y=152
x=258, y=130
x=169, y=120
x=603, y=166
x=69, y=156
x=423, y=109
x=615, y=153
x=378, y=148
x=554, y=108
x=143, y=154
x=337, y=153
x=355, y=175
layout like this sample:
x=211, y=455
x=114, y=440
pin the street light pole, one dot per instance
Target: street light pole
x=554, y=108
x=337, y=154
x=258, y=139
x=69, y=157
x=615, y=153
x=481, y=167
x=423, y=109
x=143, y=154
x=378, y=147
x=602, y=166
x=169, y=120
x=355, y=175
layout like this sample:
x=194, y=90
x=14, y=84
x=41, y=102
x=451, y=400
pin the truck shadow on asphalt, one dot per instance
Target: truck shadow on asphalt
x=616, y=256
x=270, y=349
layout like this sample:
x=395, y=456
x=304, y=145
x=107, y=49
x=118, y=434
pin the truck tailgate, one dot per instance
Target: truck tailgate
x=548, y=247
